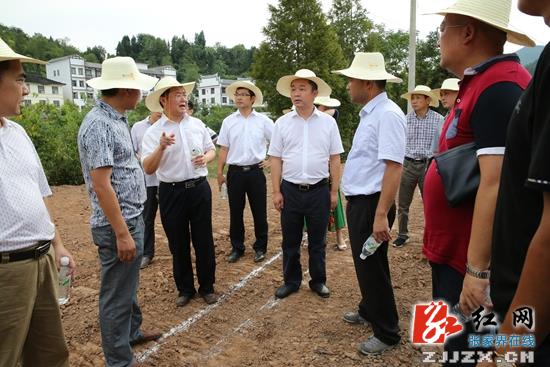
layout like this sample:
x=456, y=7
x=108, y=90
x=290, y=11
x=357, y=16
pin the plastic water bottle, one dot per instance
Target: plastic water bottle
x=64, y=281
x=463, y=318
x=223, y=191
x=369, y=247
x=195, y=150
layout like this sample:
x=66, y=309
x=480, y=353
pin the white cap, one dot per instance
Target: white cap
x=64, y=261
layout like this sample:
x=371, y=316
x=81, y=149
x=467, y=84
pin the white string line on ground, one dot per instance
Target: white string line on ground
x=184, y=325
x=244, y=326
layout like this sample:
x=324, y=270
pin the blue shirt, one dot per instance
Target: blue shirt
x=104, y=141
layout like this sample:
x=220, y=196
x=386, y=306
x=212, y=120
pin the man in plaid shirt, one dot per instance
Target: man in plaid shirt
x=423, y=128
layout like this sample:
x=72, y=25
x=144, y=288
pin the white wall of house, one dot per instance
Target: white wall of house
x=40, y=93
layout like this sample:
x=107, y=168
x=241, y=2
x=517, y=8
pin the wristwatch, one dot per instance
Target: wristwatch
x=485, y=274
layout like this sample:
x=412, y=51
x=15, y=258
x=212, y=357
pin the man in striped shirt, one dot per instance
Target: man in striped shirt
x=423, y=129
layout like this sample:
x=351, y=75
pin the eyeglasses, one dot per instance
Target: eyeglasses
x=241, y=95
x=443, y=26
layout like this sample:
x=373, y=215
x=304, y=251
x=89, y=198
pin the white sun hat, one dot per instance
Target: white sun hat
x=368, y=66
x=283, y=84
x=448, y=84
x=326, y=101
x=121, y=72
x=152, y=101
x=6, y=54
x=232, y=88
x=425, y=91
x=496, y=13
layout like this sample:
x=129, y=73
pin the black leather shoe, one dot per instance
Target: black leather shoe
x=321, y=289
x=183, y=300
x=285, y=290
x=260, y=255
x=210, y=298
x=234, y=256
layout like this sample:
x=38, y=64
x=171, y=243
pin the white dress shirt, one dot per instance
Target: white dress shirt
x=24, y=218
x=381, y=135
x=191, y=136
x=305, y=146
x=138, y=131
x=245, y=137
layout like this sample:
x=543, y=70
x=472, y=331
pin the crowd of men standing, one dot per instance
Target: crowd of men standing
x=499, y=238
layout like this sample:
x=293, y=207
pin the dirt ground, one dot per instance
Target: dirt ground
x=248, y=326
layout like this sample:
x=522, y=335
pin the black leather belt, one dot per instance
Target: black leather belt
x=187, y=184
x=34, y=252
x=422, y=160
x=308, y=187
x=244, y=168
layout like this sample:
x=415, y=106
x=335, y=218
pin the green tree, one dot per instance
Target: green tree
x=95, y=54
x=54, y=133
x=297, y=36
x=350, y=21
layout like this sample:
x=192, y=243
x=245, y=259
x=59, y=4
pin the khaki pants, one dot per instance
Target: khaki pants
x=411, y=176
x=30, y=320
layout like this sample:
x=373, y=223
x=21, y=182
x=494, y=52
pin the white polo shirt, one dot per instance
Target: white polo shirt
x=190, y=134
x=305, y=146
x=381, y=135
x=138, y=132
x=24, y=218
x=245, y=137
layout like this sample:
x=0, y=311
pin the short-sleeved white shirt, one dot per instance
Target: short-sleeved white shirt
x=24, y=218
x=305, y=146
x=245, y=137
x=138, y=132
x=175, y=165
x=381, y=135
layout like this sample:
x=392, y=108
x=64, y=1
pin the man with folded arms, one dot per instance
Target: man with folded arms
x=116, y=186
x=304, y=143
x=243, y=138
x=423, y=129
x=178, y=148
x=370, y=182
x=457, y=239
x=30, y=246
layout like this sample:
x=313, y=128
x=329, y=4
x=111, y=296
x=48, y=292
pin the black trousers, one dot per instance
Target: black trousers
x=447, y=286
x=314, y=207
x=149, y=215
x=373, y=274
x=251, y=184
x=186, y=214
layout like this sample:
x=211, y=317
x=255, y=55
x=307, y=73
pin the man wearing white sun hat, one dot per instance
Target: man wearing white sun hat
x=116, y=187
x=304, y=144
x=370, y=182
x=423, y=129
x=30, y=245
x=448, y=92
x=457, y=239
x=243, y=138
x=178, y=148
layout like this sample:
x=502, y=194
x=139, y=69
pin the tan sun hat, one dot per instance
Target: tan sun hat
x=448, y=84
x=121, y=72
x=326, y=101
x=283, y=84
x=368, y=66
x=493, y=12
x=232, y=88
x=425, y=91
x=6, y=53
x=152, y=101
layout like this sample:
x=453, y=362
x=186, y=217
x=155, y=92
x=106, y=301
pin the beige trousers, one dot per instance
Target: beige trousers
x=30, y=321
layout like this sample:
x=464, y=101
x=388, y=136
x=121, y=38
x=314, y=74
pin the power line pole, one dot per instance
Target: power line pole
x=412, y=50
